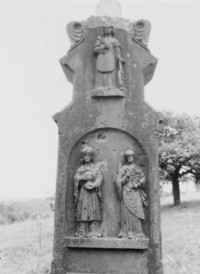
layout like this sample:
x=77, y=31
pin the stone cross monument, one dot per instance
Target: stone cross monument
x=107, y=215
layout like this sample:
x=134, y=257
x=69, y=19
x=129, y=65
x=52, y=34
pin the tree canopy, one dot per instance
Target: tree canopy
x=179, y=149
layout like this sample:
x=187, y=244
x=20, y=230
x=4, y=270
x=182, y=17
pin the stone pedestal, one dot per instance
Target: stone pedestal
x=107, y=216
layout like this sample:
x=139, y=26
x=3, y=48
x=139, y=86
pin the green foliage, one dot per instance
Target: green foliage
x=18, y=211
x=179, y=147
x=9, y=214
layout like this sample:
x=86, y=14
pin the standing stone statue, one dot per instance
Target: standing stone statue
x=87, y=193
x=109, y=69
x=129, y=182
x=108, y=114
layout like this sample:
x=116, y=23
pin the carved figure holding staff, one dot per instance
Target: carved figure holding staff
x=109, y=69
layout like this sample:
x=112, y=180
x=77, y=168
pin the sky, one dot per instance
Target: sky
x=33, y=87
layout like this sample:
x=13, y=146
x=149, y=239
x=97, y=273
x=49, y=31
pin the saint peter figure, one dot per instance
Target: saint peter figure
x=109, y=70
x=129, y=182
x=87, y=193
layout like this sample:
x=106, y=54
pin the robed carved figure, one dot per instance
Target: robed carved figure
x=129, y=182
x=87, y=192
x=109, y=70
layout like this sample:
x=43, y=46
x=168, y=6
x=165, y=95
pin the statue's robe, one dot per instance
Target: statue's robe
x=106, y=65
x=133, y=200
x=88, y=200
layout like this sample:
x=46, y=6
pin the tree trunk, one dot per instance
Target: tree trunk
x=176, y=191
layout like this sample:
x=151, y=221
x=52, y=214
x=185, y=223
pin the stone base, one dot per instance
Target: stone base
x=105, y=243
x=106, y=92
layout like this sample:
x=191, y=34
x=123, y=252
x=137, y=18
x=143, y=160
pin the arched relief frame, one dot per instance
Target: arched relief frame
x=109, y=145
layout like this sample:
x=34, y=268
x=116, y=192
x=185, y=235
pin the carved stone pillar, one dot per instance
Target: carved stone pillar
x=107, y=215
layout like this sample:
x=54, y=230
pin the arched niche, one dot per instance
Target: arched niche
x=109, y=145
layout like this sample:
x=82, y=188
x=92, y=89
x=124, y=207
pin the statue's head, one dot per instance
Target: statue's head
x=129, y=155
x=87, y=154
x=108, y=29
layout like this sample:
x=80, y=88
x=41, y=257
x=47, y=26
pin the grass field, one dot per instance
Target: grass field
x=26, y=247
x=180, y=235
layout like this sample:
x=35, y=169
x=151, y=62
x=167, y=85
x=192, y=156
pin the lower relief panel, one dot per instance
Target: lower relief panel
x=107, y=217
x=106, y=261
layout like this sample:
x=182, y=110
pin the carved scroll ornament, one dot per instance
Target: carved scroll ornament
x=141, y=31
x=75, y=32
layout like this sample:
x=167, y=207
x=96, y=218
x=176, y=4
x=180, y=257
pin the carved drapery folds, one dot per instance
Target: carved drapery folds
x=110, y=78
x=87, y=193
x=110, y=193
x=129, y=183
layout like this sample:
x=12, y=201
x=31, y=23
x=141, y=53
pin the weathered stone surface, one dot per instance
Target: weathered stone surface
x=141, y=31
x=109, y=124
x=75, y=33
x=106, y=243
x=133, y=200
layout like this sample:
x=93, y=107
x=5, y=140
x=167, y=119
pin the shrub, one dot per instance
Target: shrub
x=10, y=213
